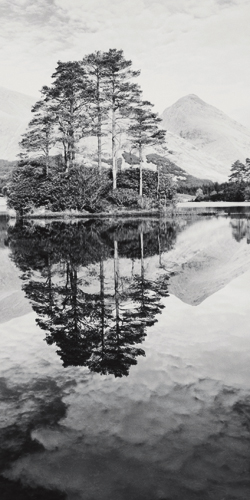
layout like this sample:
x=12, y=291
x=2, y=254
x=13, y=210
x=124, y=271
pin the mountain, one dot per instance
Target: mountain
x=210, y=131
x=15, y=114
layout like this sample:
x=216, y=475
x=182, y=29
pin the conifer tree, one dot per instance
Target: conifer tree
x=40, y=136
x=144, y=131
x=238, y=172
x=95, y=66
x=120, y=94
x=69, y=98
x=247, y=170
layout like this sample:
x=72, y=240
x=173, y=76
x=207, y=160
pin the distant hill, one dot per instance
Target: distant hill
x=208, y=131
x=15, y=114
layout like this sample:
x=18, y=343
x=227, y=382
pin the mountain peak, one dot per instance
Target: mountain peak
x=208, y=129
x=191, y=97
x=190, y=101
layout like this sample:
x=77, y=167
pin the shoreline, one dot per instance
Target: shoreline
x=181, y=208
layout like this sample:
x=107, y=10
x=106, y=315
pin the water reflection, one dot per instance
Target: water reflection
x=240, y=228
x=95, y=322
x=178, y=426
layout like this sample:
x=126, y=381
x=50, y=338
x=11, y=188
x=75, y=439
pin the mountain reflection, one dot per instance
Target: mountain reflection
x=94, y=313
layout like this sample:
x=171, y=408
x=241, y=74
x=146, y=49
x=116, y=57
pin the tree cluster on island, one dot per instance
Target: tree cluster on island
x=95, y=97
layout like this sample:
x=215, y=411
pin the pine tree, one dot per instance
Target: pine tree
x=247, y=170
x=40, y=136
x=144, y=131
x=120, y=94
x=238, y=172
x=95, y=66
x=69, y=98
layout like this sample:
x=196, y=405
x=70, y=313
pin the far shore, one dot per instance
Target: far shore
x=121, y=212
x=213, y=204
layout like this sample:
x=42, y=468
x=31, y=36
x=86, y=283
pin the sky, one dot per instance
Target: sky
x=182, y=47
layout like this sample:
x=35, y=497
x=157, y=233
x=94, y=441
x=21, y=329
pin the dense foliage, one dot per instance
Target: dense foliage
x=83, y=188
x=79, y=189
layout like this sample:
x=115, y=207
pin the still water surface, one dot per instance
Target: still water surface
x=125, y=360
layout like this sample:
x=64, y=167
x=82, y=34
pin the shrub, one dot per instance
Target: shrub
x=80, y=188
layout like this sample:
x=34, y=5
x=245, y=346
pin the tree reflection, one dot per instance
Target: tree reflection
x=94, y=321
x=240, y=229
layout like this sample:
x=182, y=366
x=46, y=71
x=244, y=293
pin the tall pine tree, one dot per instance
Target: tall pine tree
x=95, y=66
x=69, y=98
x=238, y=172
x=144, y=131
x=40, y=136
x=120, y=94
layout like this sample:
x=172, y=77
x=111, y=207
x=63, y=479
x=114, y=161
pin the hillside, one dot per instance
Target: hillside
x=209, y=131
x=15, y=114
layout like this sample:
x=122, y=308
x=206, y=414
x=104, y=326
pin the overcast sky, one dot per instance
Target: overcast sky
x=181, y=46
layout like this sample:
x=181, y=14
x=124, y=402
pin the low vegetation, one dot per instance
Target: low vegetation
x=85, y=188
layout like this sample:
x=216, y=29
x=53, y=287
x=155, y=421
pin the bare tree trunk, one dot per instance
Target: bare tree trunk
x=71, y=138
x=116, y=279
x=248, y=231
x=140, y=159
x=142, y=268
x=65, y=154
x=99, y=150
x=47, y=164
x=158, y=180
x=71, y=148
x=73, y=283
x=159, y=248
x=102, y=299
x=50, y=286
x=47, y=154
x=142, y=255
x=99, y=127
x=114, y=146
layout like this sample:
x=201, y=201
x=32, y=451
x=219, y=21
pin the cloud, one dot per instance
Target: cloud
x=181, y=46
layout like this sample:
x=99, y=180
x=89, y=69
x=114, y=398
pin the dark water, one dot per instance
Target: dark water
x=125, y=359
